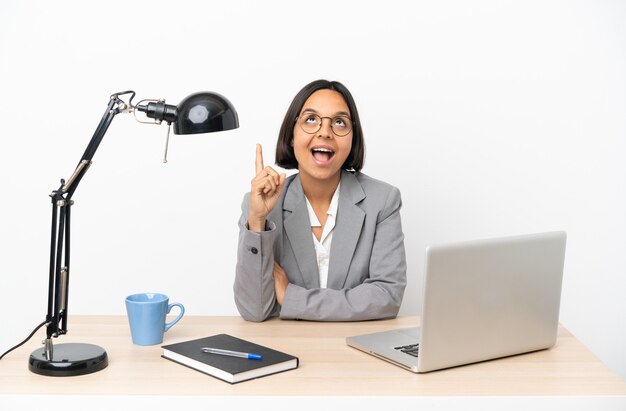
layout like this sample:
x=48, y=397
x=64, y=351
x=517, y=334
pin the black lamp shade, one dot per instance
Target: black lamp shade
x=205, y=112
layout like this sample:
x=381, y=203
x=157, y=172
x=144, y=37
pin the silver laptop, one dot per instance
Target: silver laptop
x=483, y=299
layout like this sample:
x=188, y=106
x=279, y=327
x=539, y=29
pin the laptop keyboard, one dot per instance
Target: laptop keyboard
x=411, y=349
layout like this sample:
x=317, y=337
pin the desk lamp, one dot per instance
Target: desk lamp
x=198, y=113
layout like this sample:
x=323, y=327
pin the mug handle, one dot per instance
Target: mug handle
x=178, y=317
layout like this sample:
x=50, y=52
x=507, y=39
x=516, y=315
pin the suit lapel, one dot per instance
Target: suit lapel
x=347, y=230
x=296, y=216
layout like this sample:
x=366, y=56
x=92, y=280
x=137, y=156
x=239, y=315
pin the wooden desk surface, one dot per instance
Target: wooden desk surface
x=328, y=367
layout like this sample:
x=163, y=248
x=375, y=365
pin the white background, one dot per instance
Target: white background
x=492, y=117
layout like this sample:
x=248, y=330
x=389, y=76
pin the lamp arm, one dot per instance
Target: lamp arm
x=116, y=105
x=58, y=282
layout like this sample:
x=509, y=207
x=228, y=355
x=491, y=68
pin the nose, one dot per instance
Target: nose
x=325, y=128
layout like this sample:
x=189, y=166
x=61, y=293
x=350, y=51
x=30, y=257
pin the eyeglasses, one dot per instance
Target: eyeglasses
x=311, y=123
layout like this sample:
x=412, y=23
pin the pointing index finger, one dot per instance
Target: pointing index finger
x=259, y=159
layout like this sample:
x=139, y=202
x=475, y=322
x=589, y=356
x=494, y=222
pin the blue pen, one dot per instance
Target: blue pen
x=233, y=353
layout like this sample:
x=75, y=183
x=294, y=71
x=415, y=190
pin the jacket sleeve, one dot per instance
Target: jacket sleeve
x=254, y=283
x=378, y=296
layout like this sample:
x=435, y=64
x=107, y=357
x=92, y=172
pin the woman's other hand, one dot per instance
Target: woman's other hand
x=280, y=282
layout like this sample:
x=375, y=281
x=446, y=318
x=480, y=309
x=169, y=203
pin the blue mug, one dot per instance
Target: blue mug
x=146, y=317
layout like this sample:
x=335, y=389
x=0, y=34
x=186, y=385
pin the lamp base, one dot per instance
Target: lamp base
x=68, y=360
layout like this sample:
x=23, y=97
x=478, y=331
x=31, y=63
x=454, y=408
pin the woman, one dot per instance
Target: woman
x=285, y=263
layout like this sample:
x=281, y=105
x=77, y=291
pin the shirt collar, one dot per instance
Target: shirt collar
x=332, y=209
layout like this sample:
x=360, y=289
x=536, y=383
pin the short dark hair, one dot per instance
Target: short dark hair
x=285, y=156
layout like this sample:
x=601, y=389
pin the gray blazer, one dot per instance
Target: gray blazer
x=367, y=267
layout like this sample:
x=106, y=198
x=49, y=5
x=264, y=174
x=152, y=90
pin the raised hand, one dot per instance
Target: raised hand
x=264, y=192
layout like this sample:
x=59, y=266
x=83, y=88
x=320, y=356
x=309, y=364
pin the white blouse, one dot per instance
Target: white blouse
x=322, y=247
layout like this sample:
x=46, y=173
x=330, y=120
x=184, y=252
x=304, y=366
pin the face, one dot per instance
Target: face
x=320, y=155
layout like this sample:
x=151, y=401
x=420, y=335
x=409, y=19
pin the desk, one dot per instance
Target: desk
x=328, y=367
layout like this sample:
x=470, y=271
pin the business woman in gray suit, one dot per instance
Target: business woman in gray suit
x=326, y=243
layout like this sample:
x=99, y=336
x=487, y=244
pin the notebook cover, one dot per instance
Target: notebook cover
x=232, y=365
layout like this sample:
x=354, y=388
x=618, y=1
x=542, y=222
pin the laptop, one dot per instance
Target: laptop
x=483, y=299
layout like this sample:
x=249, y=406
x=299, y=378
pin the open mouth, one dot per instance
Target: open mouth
x=322, y=154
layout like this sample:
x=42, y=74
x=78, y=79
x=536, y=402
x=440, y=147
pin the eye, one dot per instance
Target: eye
x=340, y=122
x=310, y=118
